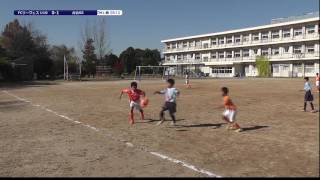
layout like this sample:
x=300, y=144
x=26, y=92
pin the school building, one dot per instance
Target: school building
x=291, y=45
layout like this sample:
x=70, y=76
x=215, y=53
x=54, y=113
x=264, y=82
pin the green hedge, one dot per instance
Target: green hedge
x=263, y=66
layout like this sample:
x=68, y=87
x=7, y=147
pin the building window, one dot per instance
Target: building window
x=297, y=32
x=205, y=59
x=286, y=49
x=275, y=68
x=245, y=38
x=191, y=44
x=310, y=49
x=167, y=58
x=179, y=57
x=213, y=55
x=168, y=46
x=174, y=46
x=197, y=56
x=198, y=43
x=245, y=53
x=297, y=49
x=286, y=33
x=222, y=70
x=310, y=29
x=285, y=67
x=237, y=39
x=275, y=35
x=221, y=41
x=237, y=54
x=264, y=52
x=205, y=45
x=229, y=40
x=185, y=57
x=221, y=55
x=185, y=44
x=275, y=51
x=255, y=51
x=264, y=36
x=180, y=45
x=309, y=68
x=229, y=54
x=213, y=41
x=255, y=37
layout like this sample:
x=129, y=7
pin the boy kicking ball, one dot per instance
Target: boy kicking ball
x=229, y=114
x=170, y=105
x=134, y=95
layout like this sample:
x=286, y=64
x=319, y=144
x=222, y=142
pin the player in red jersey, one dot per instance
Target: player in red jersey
x=134, y=95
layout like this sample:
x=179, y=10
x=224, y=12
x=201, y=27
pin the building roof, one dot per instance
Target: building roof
x=246, y=29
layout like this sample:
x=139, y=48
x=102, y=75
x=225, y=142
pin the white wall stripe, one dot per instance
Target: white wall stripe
x=187, y=165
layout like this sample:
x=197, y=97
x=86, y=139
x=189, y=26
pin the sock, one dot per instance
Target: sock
x=131, y=117
x=142, y=115
x=226, y=120
x=305, y=106
x=312, y=107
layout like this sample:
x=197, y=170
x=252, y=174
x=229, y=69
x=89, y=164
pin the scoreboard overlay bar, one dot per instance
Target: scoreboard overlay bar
x=101, y=12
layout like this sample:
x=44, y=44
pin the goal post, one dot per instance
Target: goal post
x=150, y=72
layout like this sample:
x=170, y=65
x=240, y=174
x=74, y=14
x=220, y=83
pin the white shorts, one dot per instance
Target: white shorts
x=317, y=83
x=187, y=81
x=135, y=105
x=230, y=114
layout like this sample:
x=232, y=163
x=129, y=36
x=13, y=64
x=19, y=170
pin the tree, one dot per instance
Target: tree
x=263, y=66
x=17, y=40
x=131, y=58
x=128, y=59
x=5, y=67
x=97, y=31
x=151, y=58
x=89, y=57
x=42, y=62
x=20, y=49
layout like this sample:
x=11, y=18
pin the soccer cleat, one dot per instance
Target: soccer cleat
x=238, y=130
x=172, y=123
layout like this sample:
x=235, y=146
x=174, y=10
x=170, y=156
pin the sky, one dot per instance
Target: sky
x=146, y=22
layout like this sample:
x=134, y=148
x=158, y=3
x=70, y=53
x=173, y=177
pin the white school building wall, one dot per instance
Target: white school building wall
x=290, y=44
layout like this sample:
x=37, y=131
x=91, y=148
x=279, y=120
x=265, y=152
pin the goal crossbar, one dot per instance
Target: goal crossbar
x=155, y=71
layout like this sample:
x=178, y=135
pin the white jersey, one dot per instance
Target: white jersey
x=170, y=94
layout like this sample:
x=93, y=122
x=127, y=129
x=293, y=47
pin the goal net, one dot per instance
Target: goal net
x=151, y=72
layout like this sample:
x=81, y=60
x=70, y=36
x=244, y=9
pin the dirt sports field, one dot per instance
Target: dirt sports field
x=82, y=129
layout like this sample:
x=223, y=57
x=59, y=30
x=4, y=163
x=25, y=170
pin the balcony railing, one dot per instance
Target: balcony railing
x=210, y=46
x=246, y=58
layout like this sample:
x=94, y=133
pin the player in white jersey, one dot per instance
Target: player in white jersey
x=170, y=104
x=187, y=78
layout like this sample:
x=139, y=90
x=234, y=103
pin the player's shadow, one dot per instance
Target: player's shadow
x=157, y=120
x=254, y=128
x=217, y=125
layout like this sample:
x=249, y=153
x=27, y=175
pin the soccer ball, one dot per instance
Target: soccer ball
x=144, y=102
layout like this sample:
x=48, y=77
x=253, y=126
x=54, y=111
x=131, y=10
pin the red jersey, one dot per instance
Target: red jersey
x=134, y=95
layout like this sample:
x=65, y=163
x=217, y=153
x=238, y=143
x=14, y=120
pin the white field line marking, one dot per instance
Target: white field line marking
x=187, y=165
x=184, y=164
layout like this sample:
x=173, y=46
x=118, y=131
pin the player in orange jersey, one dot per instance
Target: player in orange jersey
x=134, y=95
x=229, y=114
